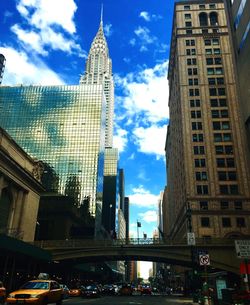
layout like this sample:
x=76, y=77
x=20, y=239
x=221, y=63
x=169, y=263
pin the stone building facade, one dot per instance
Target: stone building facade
x=208, y=180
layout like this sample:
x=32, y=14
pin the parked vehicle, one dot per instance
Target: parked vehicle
x=75, y=292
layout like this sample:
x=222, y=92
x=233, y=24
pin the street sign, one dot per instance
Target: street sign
x=191, y=239
x=204, y=259
x=242, y=248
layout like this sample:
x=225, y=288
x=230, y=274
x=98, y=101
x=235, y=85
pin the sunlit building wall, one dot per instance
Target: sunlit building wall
x=208, y=178
x=63, y=126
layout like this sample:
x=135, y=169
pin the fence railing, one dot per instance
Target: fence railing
x=92, y=243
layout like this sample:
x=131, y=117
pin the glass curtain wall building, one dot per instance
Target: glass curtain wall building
x=64, y=127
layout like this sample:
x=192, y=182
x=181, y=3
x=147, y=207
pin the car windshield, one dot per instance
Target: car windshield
x=35, y=285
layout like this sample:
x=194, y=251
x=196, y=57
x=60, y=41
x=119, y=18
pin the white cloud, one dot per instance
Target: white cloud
x=147, y=93
x=46, y=29
x=120, y=139
x=148, y=216
x=143, y=198
x=151, y=140
x=145, y=15
x=143, y=34
x=108, y=30
x=45, y=13
x=132, y=42
x=19, y=70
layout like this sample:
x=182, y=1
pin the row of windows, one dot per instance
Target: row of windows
x=225, y=221
x=203, y=18
x=219, y=150
x=224, y=205
x=221, y=162
x=228, y=189
x=201, y=6
x=222, y=176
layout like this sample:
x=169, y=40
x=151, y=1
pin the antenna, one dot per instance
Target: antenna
x=101, y=12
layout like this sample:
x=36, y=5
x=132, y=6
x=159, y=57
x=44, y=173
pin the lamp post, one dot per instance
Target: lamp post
x=191, y=241
x=110, y=213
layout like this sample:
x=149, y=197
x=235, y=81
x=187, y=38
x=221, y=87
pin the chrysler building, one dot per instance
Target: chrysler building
x=99, y=71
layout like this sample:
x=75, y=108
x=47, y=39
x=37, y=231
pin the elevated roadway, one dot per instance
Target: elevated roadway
x=221, y=251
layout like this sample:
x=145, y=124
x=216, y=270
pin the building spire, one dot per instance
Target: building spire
x=101, y=14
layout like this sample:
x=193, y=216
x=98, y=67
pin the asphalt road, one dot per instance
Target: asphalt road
x=129, y=300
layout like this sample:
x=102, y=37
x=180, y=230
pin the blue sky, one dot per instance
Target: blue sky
x=47, y=41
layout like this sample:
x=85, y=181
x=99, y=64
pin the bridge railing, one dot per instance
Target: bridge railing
x=92, y=243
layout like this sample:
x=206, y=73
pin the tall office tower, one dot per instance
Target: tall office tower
x=110, y=190
x=208, y=180
x=99, y=71
x=63, y=126
x=126, y=214
x=239, y=18
x=2, y=66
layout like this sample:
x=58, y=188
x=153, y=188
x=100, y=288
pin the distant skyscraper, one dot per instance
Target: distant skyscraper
x=2, y=66
x=208, y=180
x=63, y=126
x=99, y=71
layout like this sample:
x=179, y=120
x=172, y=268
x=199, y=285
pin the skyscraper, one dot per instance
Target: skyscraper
x=63, y=126
x=2, y=66
x=208, y=180
x=99, y=71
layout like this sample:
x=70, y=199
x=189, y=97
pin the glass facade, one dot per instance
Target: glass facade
x=64, y=127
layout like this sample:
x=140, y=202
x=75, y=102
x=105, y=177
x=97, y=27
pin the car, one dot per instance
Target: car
x=91, y=291
x=126, y=289
x=109, y=289
x=145, y=289
x=75, y=292
x=39, y=292
x=65, y=290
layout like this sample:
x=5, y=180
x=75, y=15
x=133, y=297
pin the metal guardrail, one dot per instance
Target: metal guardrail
x=94, y=243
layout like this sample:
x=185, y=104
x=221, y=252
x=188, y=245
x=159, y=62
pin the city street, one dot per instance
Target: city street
x=130, y=300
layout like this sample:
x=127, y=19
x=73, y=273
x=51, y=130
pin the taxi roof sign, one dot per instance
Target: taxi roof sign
x=242, y=248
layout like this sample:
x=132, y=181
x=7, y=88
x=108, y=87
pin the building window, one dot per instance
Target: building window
x=211, y=6
x=225, y=162
x=203, y=205
x=201, y=176
x=203, y=19
x=190, y=52
x=186, y=7
x=199, y=150
x=195, y=103
x=208, y=51
x=191, y=61
x=224, y=205
x=199, y=162
x=226, y=149
x=225, y=176
x=226, y=222
x=188, y=24
x=202, y=189
x=197, y=137
x=222, y=137
x=202, y=6
x=189, y=31
x=196, y=114
x=219, y=114
x=213, y=16
x=221, y=125
x=217, y=51
x=205, y=222
x=229, y=189
x=238, y=205
x=196, y=126
x=240, y=222
x=187, y=16
x=190, y=42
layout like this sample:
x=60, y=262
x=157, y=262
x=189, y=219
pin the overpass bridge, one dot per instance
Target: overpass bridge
x=221, y=251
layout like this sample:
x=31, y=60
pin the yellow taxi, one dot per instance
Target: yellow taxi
x=40, y=292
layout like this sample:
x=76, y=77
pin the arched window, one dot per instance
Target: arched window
x=213, y=18
x=203, y=19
